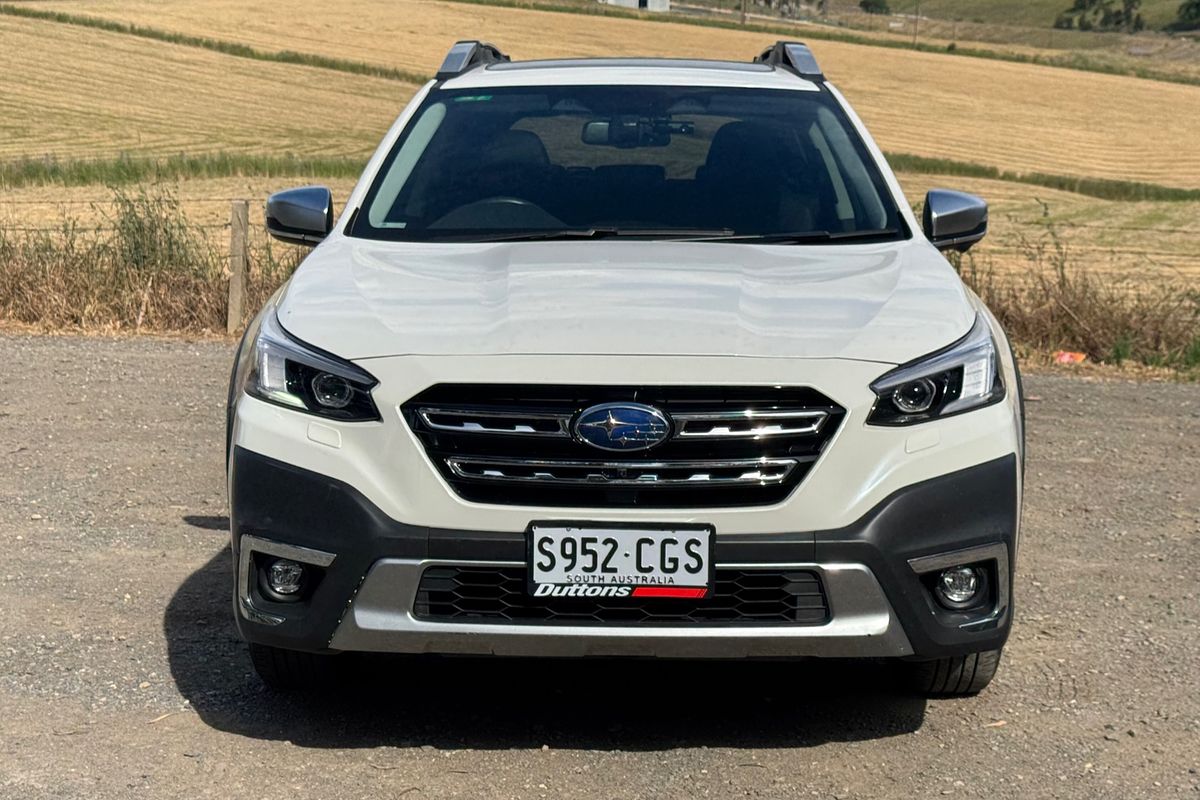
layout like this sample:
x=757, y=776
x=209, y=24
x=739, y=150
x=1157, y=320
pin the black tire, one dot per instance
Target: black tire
x=956, y=676
x=292, y=670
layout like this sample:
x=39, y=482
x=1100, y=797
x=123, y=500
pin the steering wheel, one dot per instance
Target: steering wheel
x=500, y=212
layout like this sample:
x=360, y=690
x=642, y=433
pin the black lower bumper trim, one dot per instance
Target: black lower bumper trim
x=739, y=597
x=278, y=501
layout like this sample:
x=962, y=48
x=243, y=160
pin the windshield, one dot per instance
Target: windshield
x=640, y=161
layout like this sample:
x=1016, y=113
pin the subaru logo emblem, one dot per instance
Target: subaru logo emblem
x=622, y=426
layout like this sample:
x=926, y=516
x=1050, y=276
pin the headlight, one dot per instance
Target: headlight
x=289, y=373
x=964, y=376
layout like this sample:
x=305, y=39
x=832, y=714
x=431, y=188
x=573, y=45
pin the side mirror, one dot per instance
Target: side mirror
x=300, y=216
x=954, y=220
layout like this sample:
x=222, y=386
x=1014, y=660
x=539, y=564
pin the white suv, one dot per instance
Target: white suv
x=626, y=357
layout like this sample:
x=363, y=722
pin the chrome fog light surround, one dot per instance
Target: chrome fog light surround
x=973, y=557
x=247, y=546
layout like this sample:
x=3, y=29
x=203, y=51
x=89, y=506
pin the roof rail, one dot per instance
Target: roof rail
x=466, y=55
x=793, y=56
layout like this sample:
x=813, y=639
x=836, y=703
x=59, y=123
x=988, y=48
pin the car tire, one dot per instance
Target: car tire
x=956, y=676
x=291, y=670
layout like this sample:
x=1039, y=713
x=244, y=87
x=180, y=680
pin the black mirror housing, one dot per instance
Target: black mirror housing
x=300, y=216
x=954, y=220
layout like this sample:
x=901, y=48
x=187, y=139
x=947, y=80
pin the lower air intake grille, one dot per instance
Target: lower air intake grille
x=740, y=596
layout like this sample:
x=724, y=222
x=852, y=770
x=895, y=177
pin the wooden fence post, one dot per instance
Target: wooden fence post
x=239, y=262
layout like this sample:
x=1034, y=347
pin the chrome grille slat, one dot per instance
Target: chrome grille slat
x=746, y=472
x=746, y=424
x=727, y=446
x=467, y=421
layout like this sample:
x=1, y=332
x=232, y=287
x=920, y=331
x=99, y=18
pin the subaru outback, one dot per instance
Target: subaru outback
x=626, y=358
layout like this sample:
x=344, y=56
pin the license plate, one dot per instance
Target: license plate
x=600, y=561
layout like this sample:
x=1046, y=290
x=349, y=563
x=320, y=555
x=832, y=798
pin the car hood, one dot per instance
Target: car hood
x=882, y=302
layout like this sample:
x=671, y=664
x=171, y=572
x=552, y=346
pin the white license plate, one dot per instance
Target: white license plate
x=620, y=562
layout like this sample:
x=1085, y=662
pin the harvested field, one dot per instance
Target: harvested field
x=76, y=92
x=1014, y=116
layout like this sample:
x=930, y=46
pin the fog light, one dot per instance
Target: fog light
x=958, y=587
x=285, y=577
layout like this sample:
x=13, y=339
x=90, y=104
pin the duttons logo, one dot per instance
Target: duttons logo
x=553, y=590
x=583, y=590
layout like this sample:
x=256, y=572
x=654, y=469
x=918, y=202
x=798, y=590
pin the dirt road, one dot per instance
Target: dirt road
x=121, y=676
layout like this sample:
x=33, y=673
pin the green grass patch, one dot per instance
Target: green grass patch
x=1191, y=354
x=1105, y=189
x=217, y=45
x=124, y=170
x=1101, y=188
x=905, y=162
x=1033, y=13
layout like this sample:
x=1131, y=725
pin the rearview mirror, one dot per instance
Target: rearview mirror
x=595, y=132
x=300, y=216
x=954, y=220
x=634, y=131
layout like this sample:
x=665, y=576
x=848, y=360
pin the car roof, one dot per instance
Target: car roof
x=630, y=72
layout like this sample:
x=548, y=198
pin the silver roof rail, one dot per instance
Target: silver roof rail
x=793, y=56
x=467, y=55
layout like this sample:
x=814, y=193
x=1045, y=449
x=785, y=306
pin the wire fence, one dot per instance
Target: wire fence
x=4, y=203
x=1009, y=237
x=155, y=260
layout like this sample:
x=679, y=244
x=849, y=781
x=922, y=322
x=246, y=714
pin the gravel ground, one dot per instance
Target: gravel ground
x=122, y=675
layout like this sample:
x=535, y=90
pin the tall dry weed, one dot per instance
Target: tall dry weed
x=1058, y=303
x=145, y=268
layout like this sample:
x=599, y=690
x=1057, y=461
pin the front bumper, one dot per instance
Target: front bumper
x=871, y=571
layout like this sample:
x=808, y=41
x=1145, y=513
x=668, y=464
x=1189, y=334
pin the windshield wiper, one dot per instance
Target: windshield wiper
x=602, y=233
x=808, y=237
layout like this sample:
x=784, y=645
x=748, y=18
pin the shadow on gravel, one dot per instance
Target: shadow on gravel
x=207, y=522
x=452, y=703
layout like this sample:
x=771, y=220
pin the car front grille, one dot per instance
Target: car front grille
x=739, y=596
x=726, y=446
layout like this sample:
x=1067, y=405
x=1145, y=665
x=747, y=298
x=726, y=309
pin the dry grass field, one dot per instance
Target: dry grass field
x=204, y=202
x=68, y=91
x=1139, y=243
x=1014, y=116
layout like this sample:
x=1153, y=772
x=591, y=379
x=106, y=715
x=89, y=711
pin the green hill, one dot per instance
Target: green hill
x=1035, y=13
